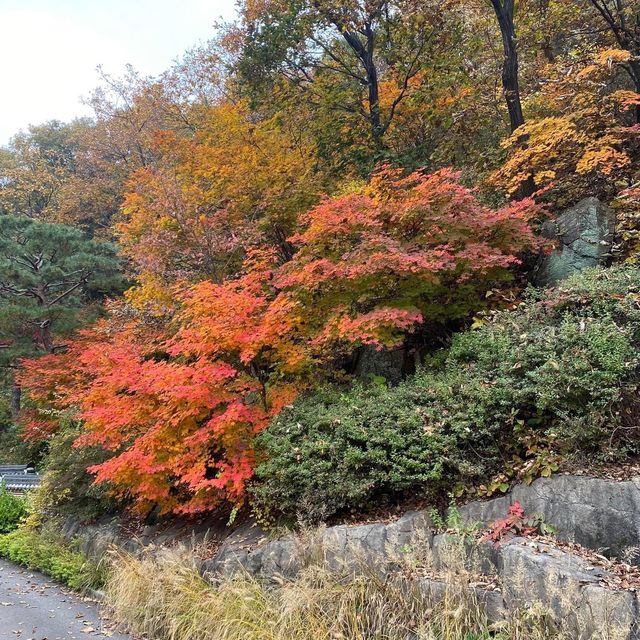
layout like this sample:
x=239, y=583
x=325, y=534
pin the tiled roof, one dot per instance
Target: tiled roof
x=11, y=469
x=16, y=478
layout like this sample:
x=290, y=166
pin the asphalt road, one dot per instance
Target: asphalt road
x=34, y=608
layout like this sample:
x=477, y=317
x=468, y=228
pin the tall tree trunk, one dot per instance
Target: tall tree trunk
x=510, y=78
x=510, y=83
x=374, y=89
x=366, y=55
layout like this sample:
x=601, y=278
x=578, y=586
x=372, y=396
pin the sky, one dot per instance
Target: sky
x=49, y=49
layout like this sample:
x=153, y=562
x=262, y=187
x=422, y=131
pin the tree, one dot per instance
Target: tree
x=585, y=143
x=50, y=276
x=409, y=254
x=62, y=173
x=34, y=168
x=234, y=185
x=358, y=44
x=178, y=410
x=622, y=17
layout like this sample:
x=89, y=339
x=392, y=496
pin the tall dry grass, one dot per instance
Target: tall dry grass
x=165, y=598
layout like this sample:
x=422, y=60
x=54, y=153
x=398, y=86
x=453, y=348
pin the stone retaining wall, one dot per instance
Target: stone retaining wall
x=602, y=515
x=595, y=513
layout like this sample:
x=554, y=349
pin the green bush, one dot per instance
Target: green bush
x=13, y=510
x=334, y=450
x=52, y=555
x=558, y=375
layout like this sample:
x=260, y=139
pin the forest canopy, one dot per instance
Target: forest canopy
x=321, y=183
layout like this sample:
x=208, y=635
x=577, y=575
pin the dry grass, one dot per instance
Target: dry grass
x=165, y=598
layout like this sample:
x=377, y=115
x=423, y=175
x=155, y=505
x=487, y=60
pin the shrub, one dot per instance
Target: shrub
x=67, y=487
x=559, y=374
x=554, y=371
x=336, y=449
x=13, y=510
x=47, y=552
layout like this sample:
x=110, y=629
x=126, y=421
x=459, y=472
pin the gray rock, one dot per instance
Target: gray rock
x=569, y=589
x=584, y=234
x=339, y=548
x=412, y=530
x=353, y=548
x=229, y=562
x=455, y=553
x=282, y=558
x=96, y=541
x=605, y=613
x=603, y=515
x=386, y=363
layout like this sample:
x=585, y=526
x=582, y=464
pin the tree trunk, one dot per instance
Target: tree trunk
x=510, y=84
x=374, y=90
x=366, y=55
x=16, y=401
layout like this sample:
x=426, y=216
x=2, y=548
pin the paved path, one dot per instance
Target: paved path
x=34, y=608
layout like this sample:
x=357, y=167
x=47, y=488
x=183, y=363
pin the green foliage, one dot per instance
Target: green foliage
x=66, y=486
x=558, y=374
x=335, y=449
x=452, y=521
x=13, y=510
x=47, y=552
x=559, y=367
x=48, y=274
x=14, y=449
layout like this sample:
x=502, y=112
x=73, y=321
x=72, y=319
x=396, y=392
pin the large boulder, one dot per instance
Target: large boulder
x=364, y=547
x=389, y=364
x=584, y=236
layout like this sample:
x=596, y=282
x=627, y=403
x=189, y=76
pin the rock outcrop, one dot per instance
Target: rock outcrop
x=584, y=234
x=585, y=600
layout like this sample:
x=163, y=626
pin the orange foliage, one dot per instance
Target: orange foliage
x=411, y=250
x=234, y=185
x=178, y=419
x=179, y=413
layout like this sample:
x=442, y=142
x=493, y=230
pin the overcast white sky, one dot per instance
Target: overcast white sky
x=49, y=49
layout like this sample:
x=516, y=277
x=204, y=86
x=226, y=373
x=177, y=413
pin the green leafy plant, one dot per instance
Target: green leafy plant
x=13, y=510
x=66, y=486
x=335, y=450
x=452, y=522
x=553, y=379
x=47, y=552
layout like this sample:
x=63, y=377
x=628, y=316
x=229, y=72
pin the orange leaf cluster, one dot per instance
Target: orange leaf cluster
x=586, y=142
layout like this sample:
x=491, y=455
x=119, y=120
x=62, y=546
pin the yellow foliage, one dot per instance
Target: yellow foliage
x=587, y=146
x=209, y=198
